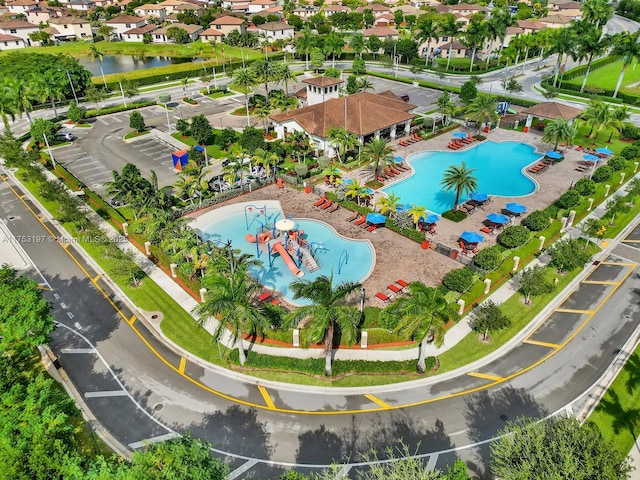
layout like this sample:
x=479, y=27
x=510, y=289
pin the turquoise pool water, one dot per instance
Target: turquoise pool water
x=498, y=168
x=329, y=247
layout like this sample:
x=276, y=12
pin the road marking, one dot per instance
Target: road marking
x=77, y=325
x=106, y=393
x=626, y=264
x=267, y=398
x=571, y=310
x=102, y=120
x=569, y=410
x=431, y=464
x=600, y=282
x=377, y=401
x=63, y=305
x=56, y=296
x=77, y=350
x=183, y=364
x=131, y=320
x=69, y=314
x=541, y=344
x=241, y=469
x=486, y=376
x=96, y=278
x=158, y=439
x=631, y=241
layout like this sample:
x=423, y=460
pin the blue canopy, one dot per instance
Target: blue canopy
x=432, y=218
x=497, y=218
x=604, y=150
x=347, y=181
x=403, y=208
x=479, y=197
x=591, y=158
x=471, y=237
x=554, y=155
x=516, y=207
x=369, y=191
x=199, y=148
x=459, y=135
x=398, y=159
x=376, y=218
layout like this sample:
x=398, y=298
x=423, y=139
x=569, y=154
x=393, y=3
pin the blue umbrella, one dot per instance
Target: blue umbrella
x=554, y=155
x=432, y=218
x=471, y=237
x=403, y=208
x=591, y=158
x=376, y=218
x=347, y=181
x=604, y=150
x=497, y=218
x=459, y=135
x=516, y=207
x=479, y=197
x=369, y=191
x=398, y=159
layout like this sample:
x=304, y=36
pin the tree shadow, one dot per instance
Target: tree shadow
x=320, y=446
x=623, y=418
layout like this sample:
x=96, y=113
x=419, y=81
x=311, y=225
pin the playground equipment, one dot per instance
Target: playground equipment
x=504, y=107
x=264, y=240
x=279, y=248
x=180, y=159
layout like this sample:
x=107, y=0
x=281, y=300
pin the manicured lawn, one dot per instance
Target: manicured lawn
x=136, y=134
x=212, y=150
x=607, y=77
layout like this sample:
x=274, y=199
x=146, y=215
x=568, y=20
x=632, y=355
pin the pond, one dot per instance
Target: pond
x=129, y=63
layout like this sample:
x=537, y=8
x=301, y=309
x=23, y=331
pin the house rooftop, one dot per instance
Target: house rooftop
x=322, y=81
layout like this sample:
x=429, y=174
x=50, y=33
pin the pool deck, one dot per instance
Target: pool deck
x=398, y=257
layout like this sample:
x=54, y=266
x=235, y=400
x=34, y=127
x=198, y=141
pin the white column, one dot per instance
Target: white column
x=606, y=191
x=364, y=339
x=621, y=178
x=202, y=293
x=528, y=123
x=461, y=305
x=147, y=248
x=487, y=285
x=173, y=267
x=542, y=239
x=125, y=225
x=516, y=262
x=296, y=337
x=590, y=204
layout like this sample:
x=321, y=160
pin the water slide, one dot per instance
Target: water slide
x=278, y=247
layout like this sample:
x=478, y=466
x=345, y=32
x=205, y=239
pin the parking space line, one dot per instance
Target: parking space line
x=77, y=350
x=106, y=393
x=377, y=401
x=571, y=310
x=626, y=264
x=158, y=439
x=541, y=344
x=267, y=397
x=242, y=469
x=600, y=282
x=486, y=376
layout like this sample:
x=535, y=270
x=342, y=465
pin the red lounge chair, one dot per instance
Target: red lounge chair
x=264, y=296
x=280, y=183
x=361, y=220
x=355, y=215
x=487, y=230
x=402, y=143
x=395, y=171
x=366, y=225
x=275, y=301
x=417, y=137
x=402, y=283
x=326, y=205
x=371, y=228
x=335, y=207
x=380, y=179
x=388, y=173
x=579, y=147
x=382, y=297
x=322, y=199
x=463, y=247
x=394, y=289
x=472, y=139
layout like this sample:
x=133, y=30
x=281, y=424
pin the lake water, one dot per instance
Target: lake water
x=128, y=63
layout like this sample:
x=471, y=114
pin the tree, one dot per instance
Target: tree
x=483, y=109
x=594, y=116
x=76, y=114
x=489, y=318
x=49, y=87
x=106, y=31
x=388, y=203
x=41, y=128
x=357, y=44
x=95, y=95
x=265, y=71
x=341, y=141
x=357, y=191
x=96, y=54
x=533, y=282
x=567, y=255
x=511, y=85
x=592, y=45
x=421, y=316
x=201, y=129
x=460, y=179
x=136, y=121
x=475, y=35
x=328, y=313
x=21, y=93
x=378, y=151
x=124, y=264
x=563, y=42
x=333, y=45
x=251, y=139
x=468, y=91
x=129, y=88
x=596, y=12
x=178, y=35
x=245, y=79
x=559, y=130
x=451, y=29
x=556, y=448
x=374, y=44
x=427, y=32
x=25, y=321
x=304, y=43
x=446, y=105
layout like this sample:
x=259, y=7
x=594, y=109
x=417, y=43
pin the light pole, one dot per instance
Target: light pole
x=72, y=88
x=53, y=162
x=122, y=92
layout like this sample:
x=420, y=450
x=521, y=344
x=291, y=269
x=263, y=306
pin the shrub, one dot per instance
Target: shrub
x=301, y=169
x=630, y=131
x=136, y=121
x=537, y=221
x=458, y=280
x=76, y=113
x=602, y=174
x=630, y=152
x=488, y=258
x=454, y=215
x=585, y=186
x=617, y=163
x=514, y=236
x=568, y=199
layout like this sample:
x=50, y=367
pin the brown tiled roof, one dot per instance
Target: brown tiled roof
x=8, y=38
x=125, y=19
x=16, y=23
x=228, y=20
x=302, y=93
x=380, y=32
x=212, y=32
x=68, y=20
x=336, y=8
x=466, y=6
x=273, y=26
x=531, y=24
x=561, y=19
x=514, y=30
x=187, y=28
x=568, y=6
x=365, y=113
x=553, y=110
x=456, y=46
x=322, y=81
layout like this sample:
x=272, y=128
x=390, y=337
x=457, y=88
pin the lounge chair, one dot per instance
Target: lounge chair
x=389, y=173
x=488, y=230
x=395, y=289
x=371, y=228
x=402, y=166
x=320, y=201
x=382, y=297
x=355, y=215
x=381, y=179
x=417, y=137
x=326, y=205
x=472, y=139
x=365, y=225
x=264, y=296
x=402, y=283
x=335, y=207
x=361, y=220
x=402, y=143
x=582, y=168
x=275, y=301
x=395, y=171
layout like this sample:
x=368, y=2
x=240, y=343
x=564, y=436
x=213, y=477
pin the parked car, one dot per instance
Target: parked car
x=65, y=137
x=404, y=98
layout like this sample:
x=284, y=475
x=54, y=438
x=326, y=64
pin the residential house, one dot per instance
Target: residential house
x=467, y=8
x=18, y=28
x=276, y=30
x=227, y=24
x=42, y=14
x=160, y=35
x=530, y=26
x=512, y=32
x=236, y=6
x=386, y=20
x=555, y=21
x=331, y=9
x=212, y=35
x=256, y=6
x=185, y=7
x=376, y=9
x=569, y=9
x=381, y=32
x=458, y=49
x=151, y=10
x=306, y=11
x=137, y=34
x=122, y=23
x=71, y=27
x=171, y=5
x=21, y=6
x=81, y=5
x=462, y=19
x=11, y=42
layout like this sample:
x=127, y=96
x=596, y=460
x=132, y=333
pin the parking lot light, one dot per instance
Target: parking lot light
x=46, y=142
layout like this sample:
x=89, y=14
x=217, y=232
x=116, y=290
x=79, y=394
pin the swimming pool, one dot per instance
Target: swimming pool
x=498, y=168
x=348, y=259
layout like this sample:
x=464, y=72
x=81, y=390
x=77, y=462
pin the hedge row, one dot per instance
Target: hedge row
x=96, y=112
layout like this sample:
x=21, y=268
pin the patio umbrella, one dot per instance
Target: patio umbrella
x=459, y=135
x=285, y=225
x=479, y=197
x=554, y=155
x=369, y=191
x=398, y=159
x=376, y=218
x=516, y=207
x=497, y=218
x=471, y=237
x=591, y=158
x=347, y=181
x=432, y=218
x=604, y=150
x=403, y=208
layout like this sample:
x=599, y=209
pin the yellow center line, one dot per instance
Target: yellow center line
x=377, y=401
x=183, y=364
x=486, y=376
x=541, y=344
x=131, y=320
x=600, y=282
x=267, y=398
x=571, y=310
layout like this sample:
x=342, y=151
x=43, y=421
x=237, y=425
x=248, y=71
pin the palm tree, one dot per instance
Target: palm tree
x=483, y=110
x=563, y=42
x=559, y=130
x=388, y=203
x=96, y=54
x=333, y=45
x=446, y=105
x=356, y=190
x=596, y=12
x=285, y=75
x=378, y=151
x=22, y=94
x=421, y=315
x=427, y=32
x=619, y=117
x=342, y=140
x=496, y=28
x=475, y=35
x=327, y=313
x=592, y=45
x=527, y=41
x=460, y=179
x=246, y=80
x=268, y=159
x=416, y=212
x=265, y=72
x=594, y=116
x=48, y=87
x=304, y=43
x=365, y=84
x=450, y=28
x=229, y=299
x=357, y=44
x=625, y=45
x=7, y=104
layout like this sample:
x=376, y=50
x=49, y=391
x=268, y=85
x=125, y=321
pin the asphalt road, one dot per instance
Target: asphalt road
x=115, y=364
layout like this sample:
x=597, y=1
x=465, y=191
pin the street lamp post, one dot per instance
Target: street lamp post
x=46, y=142
x=122, y=92
x=72, y=88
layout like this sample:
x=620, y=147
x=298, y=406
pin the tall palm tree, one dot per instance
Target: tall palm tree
x=230, y=300
x=378, y=151
x=527, y=41
x=427, y=32
x=96, y=54
x=563, y=42
x=245, y=79
x=265, y=71
x=475, y=35
x=446, y=106
x=328, y=312
x=594, y=116
x=304, y=43
x=619, y=116
x=48, y=88
x=596, y=12
x=559, y=130
x=284, y=75
x=421, y=315
x=593, y=44
x=450, y=28
x=625, y=45
x=460, y=179
x=22, y=93
x=357, y=44
x=357, y=191
x=267, y=159
x=333, y=45
x=7, y=104
x=496, y=28
x=483, y=110
x=342, y=141
x=388, y=203
x=416, y=212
